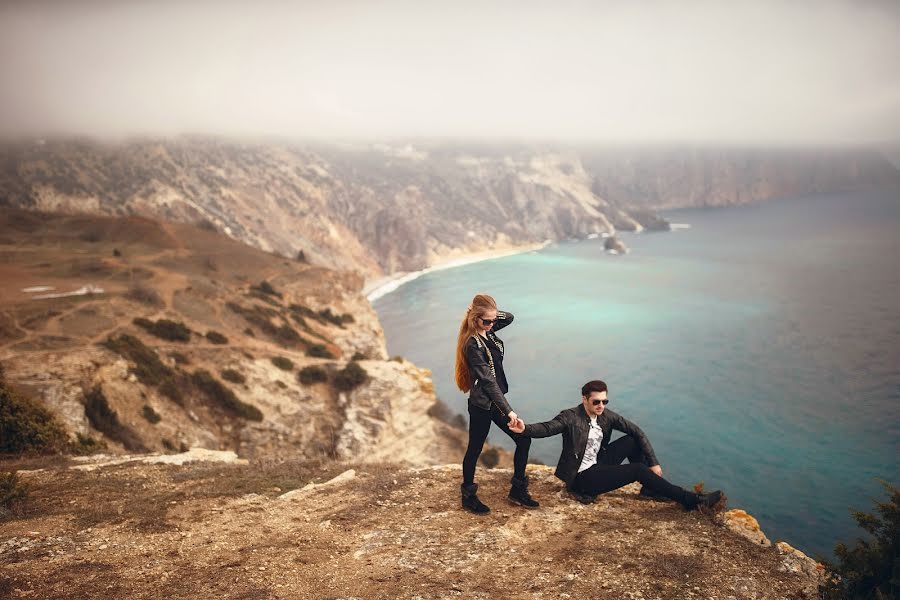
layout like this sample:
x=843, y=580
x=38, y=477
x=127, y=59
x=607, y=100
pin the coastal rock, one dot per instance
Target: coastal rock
x=614, y=245
x=745, y=525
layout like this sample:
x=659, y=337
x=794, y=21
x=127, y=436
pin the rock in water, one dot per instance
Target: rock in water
x=614, y=245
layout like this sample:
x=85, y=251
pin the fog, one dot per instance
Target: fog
x=614, y=71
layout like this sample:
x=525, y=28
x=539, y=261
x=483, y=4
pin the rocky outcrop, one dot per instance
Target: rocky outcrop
x=368, y=530
x=272, y=319
x=614, y=245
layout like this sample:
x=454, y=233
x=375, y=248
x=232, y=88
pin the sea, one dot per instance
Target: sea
x=757, y=346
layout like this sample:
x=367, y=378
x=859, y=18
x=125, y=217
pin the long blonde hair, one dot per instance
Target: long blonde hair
x=481, y=304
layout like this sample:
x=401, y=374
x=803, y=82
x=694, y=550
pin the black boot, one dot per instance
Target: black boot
x=694, y=501
x=518, y=493
x=470, y=500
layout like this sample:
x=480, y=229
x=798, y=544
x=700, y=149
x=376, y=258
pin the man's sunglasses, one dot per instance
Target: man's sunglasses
x=489, y=321
x=604, y=402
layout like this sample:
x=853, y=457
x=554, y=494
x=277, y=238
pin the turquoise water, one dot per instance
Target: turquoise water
x=759, y=349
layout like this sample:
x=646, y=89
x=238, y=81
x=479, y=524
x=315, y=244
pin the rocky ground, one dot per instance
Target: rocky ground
x=229, y=529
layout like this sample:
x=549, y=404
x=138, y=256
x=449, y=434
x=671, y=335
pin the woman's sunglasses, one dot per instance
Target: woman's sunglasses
x=604, y=402
x=488, y=321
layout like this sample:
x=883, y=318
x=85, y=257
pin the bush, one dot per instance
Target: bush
x=216, y=338
x=12, y=491
x=248, y=331
x=319, y=351
x=145, y=295
x=151, y=415
x=490, y=458
x=285, y=364
x=869, y=569
x=85, y=444
x=149, y=369
x=180, y=358
x=440, y=411
x=233, y=376
x=26, y=426
x=166, y=329
x=266, y=288
x=397, y=358
x=301, y=256
x=224, y=397
x=312, y=374
x=329, y=317
x=359, y=356
x=105, y=420
x=350, y=377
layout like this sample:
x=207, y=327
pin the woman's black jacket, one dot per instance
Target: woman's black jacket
x=485, y=389
x=574, y=425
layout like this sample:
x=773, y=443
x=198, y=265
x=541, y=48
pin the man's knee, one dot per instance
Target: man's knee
x=523, y=442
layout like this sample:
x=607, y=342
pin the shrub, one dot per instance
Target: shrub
x=224, y=397
x=180, y=358
x=281, y=384
x=12, y=491
x=216, y=338
x=86, y=444
x=105, y=420
x=168, y=445
x=149, y=369
x=440, y=411
x=248, y=331
x=166, y=329
x=26, y=426
x=330, y=317
x=312, y=374
x=117, y=252
x=350, y=377
x=869, y=569
x=285, y=364
x=319, y=351
x=151, y=415
x=301, y=256
x=266, y=288
x=397, y=358
x=490, y=458
x=233, y=376
x=359, y=356
x=144, y=295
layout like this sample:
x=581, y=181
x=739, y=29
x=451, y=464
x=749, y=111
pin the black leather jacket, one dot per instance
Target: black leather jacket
x=485, y=390
x=574, y=425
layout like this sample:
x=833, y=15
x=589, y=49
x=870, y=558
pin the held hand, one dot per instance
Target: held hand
x=518, y=426
x=513, y=417
x=657, y=469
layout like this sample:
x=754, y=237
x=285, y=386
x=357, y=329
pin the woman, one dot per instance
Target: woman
x=479, y=371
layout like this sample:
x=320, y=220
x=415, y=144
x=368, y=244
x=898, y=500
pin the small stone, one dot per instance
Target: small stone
x=104, y=546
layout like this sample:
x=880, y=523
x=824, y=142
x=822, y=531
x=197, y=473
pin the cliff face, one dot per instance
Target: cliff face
x=656, y=179
x=381, y=209
x=228, y=371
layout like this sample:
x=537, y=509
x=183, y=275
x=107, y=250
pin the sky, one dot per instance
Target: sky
x=788, y=72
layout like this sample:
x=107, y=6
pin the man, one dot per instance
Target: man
x=591, y=465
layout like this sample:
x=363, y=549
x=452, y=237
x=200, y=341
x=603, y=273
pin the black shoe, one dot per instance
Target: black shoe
x=518, y=493
x=583, y=498
x=470, y=500
x=703, y=501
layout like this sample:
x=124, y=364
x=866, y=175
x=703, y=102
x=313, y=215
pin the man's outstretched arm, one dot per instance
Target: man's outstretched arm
x=554, y=426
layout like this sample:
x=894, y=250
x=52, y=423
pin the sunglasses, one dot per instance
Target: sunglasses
x=604, y=402
x=488, y=321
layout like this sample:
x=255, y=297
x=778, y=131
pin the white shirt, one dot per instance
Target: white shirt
x=595, y=437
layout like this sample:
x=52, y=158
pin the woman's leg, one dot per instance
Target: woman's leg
x=523, y=444
x=602, y=478
x=479, y=424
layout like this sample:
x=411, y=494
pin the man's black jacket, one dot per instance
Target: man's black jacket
x=485, y=390
x=574, y=425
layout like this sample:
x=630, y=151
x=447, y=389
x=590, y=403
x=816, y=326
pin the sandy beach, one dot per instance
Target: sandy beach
x=384, y=285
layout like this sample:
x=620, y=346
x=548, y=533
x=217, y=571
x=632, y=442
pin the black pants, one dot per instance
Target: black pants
x=609, y=474
x=479, y=424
